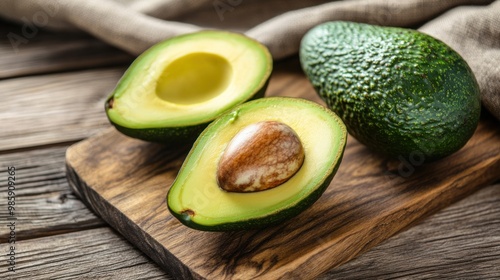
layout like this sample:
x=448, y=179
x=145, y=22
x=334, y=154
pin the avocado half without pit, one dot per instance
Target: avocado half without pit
x=263, y=162
x=174, y=89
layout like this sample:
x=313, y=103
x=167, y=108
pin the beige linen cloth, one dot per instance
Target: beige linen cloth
x=471, y=27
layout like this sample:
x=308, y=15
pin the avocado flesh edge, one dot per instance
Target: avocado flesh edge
x=186, y=128
x=400, y=92
x=174, y=136
x=265, y=221
x=313, y=188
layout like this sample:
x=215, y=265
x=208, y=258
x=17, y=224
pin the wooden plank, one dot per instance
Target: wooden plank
x=42, y=110
x=54, y=108
x=460, y=242
x=90, y=254
x=45, y=205
x=44, y=52
x=288, y=80
x=371, y=198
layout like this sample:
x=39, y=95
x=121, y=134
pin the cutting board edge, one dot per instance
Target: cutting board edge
x=123, y=224
x=166, y=259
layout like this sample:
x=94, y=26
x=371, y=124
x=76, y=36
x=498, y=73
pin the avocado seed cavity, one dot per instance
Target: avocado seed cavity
x=194, y=78
x=261, y=156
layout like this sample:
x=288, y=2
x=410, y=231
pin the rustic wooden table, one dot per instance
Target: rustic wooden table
x=53, y=87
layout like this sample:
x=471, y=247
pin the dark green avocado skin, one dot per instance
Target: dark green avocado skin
x=400, y=92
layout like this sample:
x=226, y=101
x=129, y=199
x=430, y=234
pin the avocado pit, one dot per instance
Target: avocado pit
x=261, y=156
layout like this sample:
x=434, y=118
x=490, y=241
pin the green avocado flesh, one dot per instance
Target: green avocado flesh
x=400, y=92
x=196, y=199
x=173, y=90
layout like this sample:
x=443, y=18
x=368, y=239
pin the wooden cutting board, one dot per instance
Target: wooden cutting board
x=371, y=198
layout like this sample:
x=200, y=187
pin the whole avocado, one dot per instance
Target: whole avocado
x=400, y=92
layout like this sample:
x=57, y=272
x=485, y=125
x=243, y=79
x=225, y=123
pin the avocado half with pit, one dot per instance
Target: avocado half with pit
x=258, y=164
x=174, y=89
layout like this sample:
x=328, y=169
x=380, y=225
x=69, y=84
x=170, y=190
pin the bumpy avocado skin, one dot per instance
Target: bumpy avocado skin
x=400, y=92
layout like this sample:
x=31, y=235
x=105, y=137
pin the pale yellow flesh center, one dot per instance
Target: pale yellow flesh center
x=194, y=78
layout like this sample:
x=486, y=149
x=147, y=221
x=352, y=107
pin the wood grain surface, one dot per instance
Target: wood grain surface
x=460, y=242
x=87, y=254
x=62, y=239
x=46, y=204
x=54, y=108
x=371, y=198
x=52, y=52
